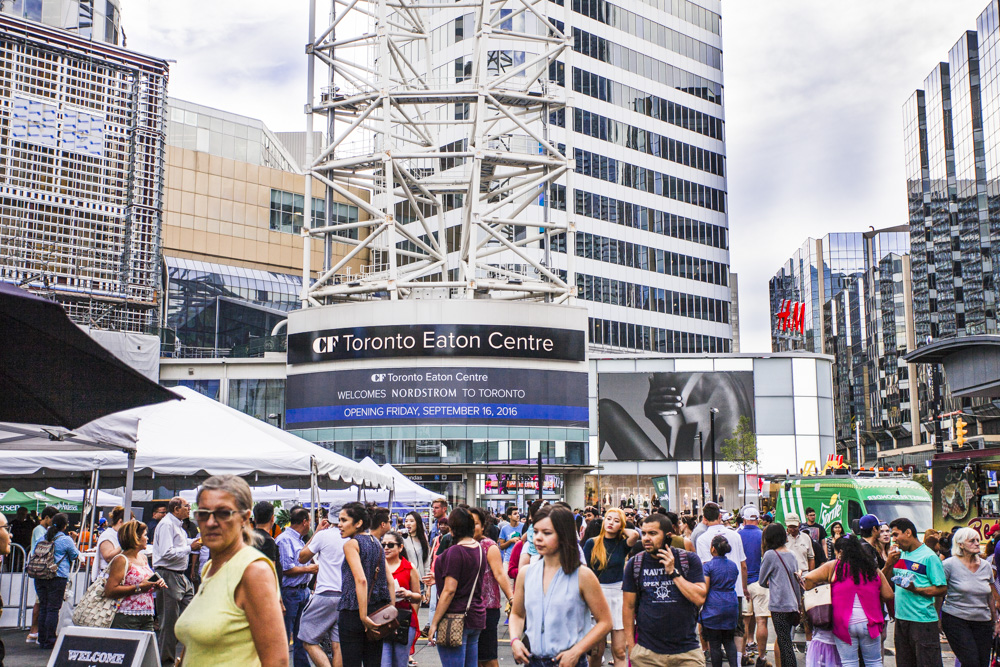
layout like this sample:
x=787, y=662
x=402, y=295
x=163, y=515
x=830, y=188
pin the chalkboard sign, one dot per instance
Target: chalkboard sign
x=99, y=647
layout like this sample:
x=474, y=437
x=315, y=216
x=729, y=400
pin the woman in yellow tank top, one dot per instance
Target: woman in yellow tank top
x=235, y=618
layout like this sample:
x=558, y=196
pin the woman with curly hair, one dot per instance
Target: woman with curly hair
x=858, y=589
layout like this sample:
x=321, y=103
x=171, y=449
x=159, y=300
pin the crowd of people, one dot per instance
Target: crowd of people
x=662, y=590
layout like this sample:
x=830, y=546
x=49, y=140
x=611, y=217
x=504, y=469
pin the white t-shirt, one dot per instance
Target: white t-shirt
x=109, y=535
x=328, y=546
x=737, y=555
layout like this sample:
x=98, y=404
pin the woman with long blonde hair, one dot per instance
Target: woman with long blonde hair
x=606, y=555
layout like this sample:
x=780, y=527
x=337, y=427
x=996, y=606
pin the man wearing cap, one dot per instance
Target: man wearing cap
x=756, y=611
x=800, y=543
x=868, y=526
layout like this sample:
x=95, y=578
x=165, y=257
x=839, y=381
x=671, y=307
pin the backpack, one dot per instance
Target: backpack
x=42, y=564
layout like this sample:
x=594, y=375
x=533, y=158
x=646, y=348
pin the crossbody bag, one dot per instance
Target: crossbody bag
x=451, y=629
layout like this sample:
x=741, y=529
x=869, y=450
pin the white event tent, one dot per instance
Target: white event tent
x=406, y=493
x=178, y=444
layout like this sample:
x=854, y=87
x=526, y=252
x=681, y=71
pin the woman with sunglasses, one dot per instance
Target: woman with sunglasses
x=408, y=598
x=235, y=618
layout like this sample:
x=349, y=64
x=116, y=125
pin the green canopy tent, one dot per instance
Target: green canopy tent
x=12, y=499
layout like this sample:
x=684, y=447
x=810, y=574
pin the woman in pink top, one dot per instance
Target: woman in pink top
x=129, y=579
x=858, y=589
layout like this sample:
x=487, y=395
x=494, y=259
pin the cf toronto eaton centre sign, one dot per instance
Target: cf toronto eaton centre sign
x=437, y=340
x=457, y=362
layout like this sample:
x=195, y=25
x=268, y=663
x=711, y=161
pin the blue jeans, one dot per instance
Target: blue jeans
x=295, y=600
x=871, y=647
x=50, y=598
x=397, y=655
x=466, y=655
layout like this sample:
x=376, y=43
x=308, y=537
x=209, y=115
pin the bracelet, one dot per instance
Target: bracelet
x=514, y=639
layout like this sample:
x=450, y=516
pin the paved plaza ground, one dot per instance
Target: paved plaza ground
x=21, y=654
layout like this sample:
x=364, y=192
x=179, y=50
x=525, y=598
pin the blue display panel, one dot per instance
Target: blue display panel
x=437, y=395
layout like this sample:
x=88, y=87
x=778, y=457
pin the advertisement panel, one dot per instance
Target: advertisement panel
x=420, y=395
x=665, y=416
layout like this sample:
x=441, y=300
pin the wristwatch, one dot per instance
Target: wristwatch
x=674, y=574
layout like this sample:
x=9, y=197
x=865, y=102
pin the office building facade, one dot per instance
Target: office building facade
x=952, y=155
x=81, y=178
x=234, y=207
x=846, y=295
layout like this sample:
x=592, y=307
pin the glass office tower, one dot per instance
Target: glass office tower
x=851, y=286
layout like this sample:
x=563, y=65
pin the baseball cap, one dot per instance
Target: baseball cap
x=867, y=522
x=727, y=516
x=792, y=519
x=750, y=512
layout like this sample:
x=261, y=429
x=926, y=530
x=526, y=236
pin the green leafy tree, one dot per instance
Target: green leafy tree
x=741, y=450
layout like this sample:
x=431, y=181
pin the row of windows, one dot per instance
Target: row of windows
x=627, y=97
x=648, y=180
x=639, y=63
x=684, y=10
x=654, y=339
x=632, y=215
x=644, y=141
x=625, y=253
x=654, y=299
x=287, y=210
x=656, y=33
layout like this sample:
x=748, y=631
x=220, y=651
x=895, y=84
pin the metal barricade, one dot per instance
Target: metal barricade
x=14, y=585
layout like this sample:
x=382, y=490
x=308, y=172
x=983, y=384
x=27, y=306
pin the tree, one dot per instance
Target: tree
x=741, y=450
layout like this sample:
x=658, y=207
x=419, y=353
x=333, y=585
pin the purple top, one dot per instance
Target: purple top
x=461, y=563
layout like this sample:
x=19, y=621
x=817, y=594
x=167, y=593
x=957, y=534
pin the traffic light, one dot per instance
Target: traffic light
x=960, y=432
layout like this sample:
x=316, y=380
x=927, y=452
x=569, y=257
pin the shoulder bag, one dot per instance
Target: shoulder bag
x=95, y=610
x=795, y=587
x=451, y=629
x=385, y=618
x=818, y=604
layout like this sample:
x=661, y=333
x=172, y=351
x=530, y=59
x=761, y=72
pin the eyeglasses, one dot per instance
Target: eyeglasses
x=390, y=545
x=6, y=527
x=220, y=515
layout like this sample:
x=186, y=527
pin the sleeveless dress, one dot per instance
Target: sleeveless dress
x=373, y=563
x=557, y=618
x=213, y=629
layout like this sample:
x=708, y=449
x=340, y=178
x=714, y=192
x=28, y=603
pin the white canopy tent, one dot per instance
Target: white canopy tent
x=405, y=492
x=179, y=443
x=102, y=499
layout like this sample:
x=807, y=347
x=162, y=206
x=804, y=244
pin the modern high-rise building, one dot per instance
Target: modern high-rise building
x=81, y=162
x=845, y=295
x=952, y=144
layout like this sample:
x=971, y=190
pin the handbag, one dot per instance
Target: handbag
x=402, y=635
x=795, y=585
x=385, y=618
x=819, y=607
x=95, y=610
x=451, y=629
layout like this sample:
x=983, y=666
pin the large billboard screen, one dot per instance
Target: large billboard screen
x=667, y=416
x=420, y=395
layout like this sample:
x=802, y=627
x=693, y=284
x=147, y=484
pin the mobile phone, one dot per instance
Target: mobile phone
x=155, y=579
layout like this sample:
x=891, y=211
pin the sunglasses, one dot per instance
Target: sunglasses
x=201, y=516
x=390, y=545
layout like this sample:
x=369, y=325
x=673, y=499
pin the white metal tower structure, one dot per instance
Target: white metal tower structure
x=453, y=142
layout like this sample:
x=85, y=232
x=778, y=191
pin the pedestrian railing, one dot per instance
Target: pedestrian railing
x=14, y=587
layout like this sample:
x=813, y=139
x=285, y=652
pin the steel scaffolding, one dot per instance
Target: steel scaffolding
x=457, y=154
x=81, y=173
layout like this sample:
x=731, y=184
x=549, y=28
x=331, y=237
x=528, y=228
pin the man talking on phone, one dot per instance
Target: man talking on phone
x=663, y=587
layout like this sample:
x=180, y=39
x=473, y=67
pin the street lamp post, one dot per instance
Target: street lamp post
x=715, y=480
x=276, y=418
x=701, y=458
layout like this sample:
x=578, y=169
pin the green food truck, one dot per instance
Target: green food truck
x=845, y=496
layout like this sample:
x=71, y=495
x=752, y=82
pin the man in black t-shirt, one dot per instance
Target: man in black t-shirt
x=263, y=521
x=663, y=588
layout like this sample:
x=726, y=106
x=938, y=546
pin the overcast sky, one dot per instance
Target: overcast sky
x=814, y=93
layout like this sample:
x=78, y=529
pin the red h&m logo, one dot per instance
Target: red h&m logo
x=792, y=316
